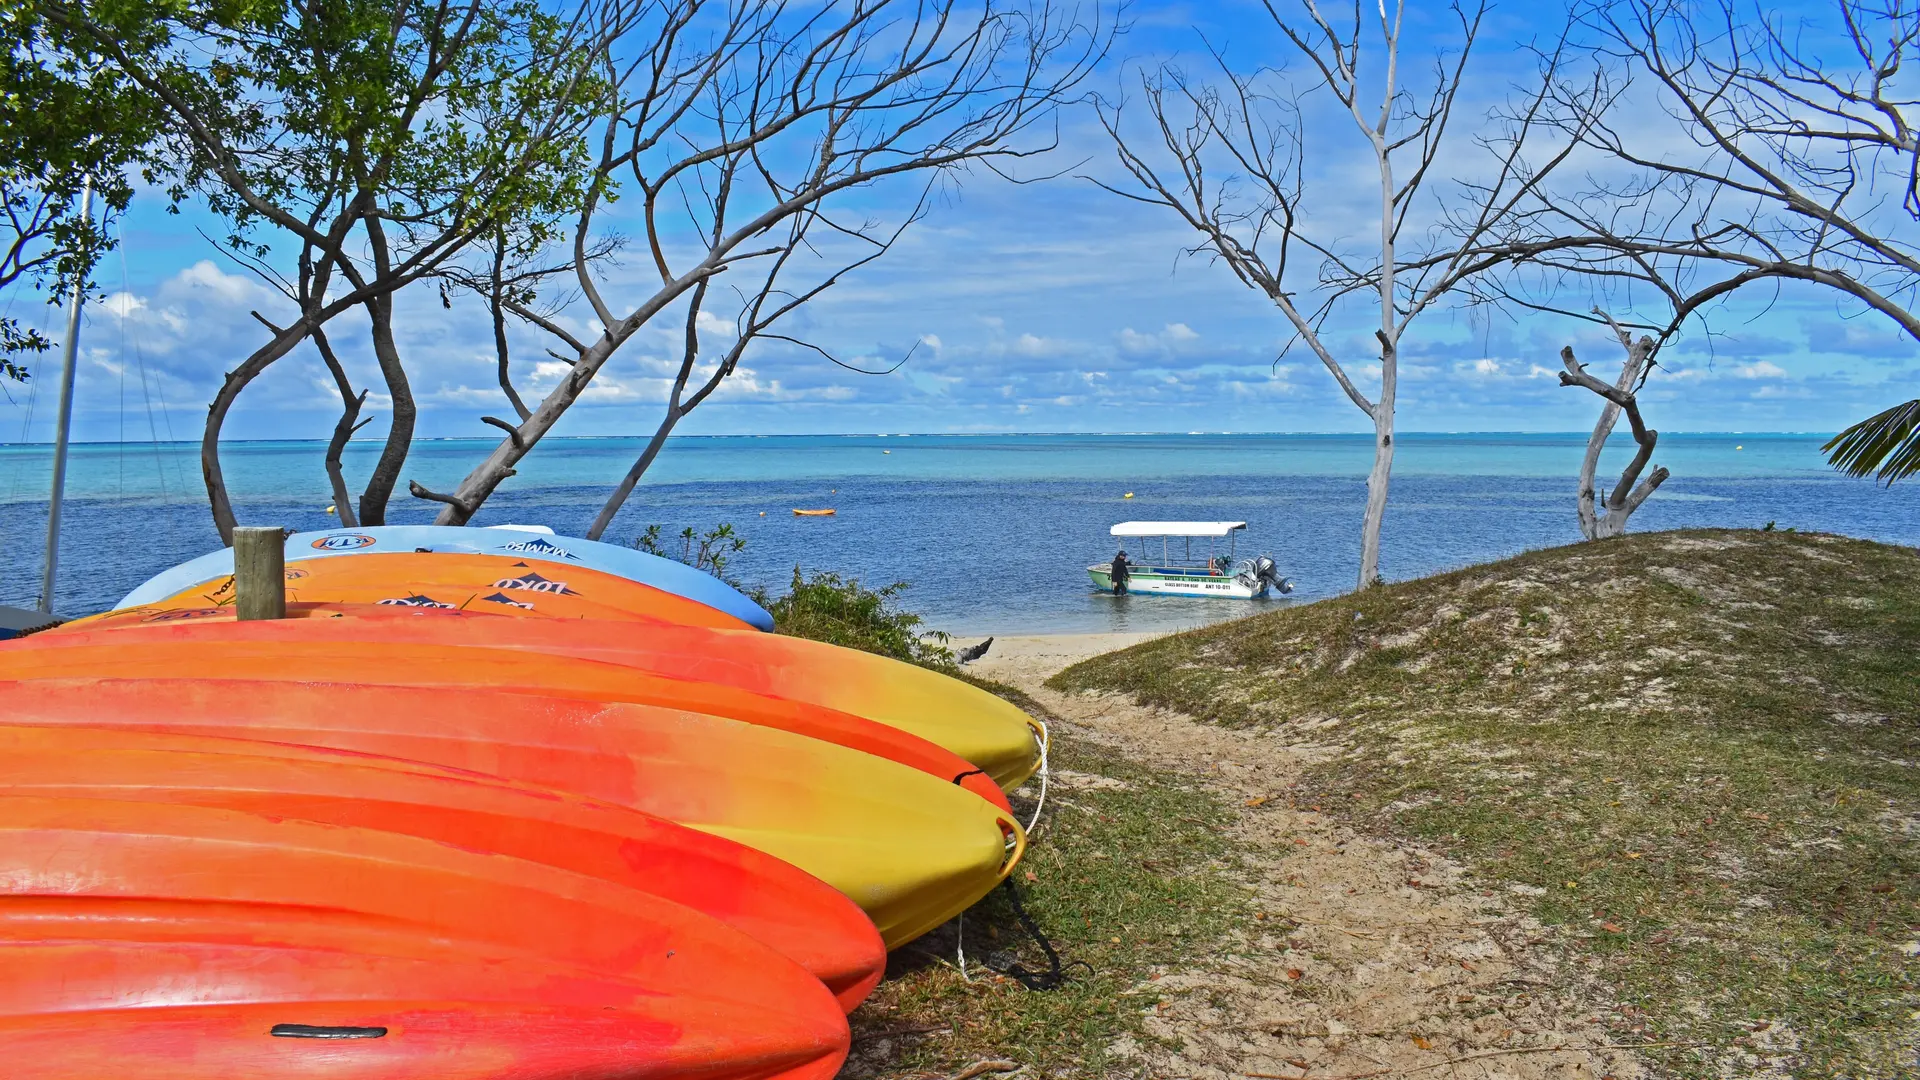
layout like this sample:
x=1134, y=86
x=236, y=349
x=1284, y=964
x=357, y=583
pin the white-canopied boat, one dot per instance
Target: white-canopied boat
x=1190, y=572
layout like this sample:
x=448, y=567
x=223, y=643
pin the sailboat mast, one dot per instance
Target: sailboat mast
x=64, y=421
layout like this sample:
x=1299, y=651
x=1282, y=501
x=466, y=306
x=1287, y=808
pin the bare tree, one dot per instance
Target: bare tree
x=1600, y=519
x=1230, y=160
x=1756, y=147
x=743, y=131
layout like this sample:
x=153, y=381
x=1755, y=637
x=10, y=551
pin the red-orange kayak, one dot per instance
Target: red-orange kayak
x=985, y=730
x=157, y=940
x=771, y=901
x=326, y=650
x=910, y=849
x=497, y=584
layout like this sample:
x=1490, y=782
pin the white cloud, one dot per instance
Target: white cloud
x=230, y=288
x=1761, y=369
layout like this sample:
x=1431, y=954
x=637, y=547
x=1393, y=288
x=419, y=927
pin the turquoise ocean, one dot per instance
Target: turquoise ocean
x=992, y=532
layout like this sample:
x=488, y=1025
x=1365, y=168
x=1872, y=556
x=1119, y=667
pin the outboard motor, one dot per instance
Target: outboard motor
x=1261, y=573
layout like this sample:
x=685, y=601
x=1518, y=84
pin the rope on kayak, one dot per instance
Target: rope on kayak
x=960, y=944
x=1055, y=975
x=1045, y=738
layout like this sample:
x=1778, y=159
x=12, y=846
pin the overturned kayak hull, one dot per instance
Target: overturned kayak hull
x=986, y=731
x=495, y=584
x=330, y=651
x=763, y=897
x=911, y=850
x=664, y=574
x=155, y=939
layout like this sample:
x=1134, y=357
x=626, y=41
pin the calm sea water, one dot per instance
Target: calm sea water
x=992, y=532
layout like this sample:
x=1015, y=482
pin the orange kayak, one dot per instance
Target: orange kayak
x=497, y=584
x=769, y=900
x=987, y=731
x=910, y=849
x=327, y=651
x=157, y=940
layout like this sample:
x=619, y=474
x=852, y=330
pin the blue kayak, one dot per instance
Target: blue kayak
x=514, y=541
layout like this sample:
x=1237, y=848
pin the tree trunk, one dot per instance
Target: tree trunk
x=1604, y=518
x=350, y=406
x=1593, y=525
x=478, y=485
x=236, y=381
x=627, y=482
x=386, y=472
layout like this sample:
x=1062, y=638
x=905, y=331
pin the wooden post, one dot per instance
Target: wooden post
x=259, y=573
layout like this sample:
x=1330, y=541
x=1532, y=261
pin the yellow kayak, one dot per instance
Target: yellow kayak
x=993, y=735
x=912, y=850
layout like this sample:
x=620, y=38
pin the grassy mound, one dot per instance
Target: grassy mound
x=1699, y=752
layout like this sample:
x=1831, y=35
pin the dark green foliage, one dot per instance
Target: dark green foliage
x=841, y=611
x=66, y=115
x=1888, y=441
x=715, y=550
x=822, y=607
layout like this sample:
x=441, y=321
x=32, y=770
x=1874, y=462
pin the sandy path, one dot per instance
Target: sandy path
x=1367, y=959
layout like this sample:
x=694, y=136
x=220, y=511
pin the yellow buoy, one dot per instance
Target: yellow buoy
x=1128, y=495
x=1739, y=448
x=763, y=513
x=329, y=508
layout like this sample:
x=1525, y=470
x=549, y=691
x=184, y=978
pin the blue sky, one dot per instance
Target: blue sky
x=1045, y=307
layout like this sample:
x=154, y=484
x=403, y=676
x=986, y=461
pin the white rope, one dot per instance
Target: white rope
x=960, y=945
x=1045, y=738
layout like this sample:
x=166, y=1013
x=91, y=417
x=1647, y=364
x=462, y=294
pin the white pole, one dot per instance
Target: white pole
x=64, y=421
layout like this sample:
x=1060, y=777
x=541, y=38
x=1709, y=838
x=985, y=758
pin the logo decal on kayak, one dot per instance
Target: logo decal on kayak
x=535, y=583
x=293, y=574
x=541, y=547
x=343, y=542
x=415, y=600
x=503, y=598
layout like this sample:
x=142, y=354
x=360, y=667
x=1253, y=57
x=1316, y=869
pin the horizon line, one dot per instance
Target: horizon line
x=929, y=434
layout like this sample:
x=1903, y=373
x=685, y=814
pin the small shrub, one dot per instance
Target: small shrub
x=714, y=551
x=841, y=611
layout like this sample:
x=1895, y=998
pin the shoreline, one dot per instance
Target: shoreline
x=1016, y=655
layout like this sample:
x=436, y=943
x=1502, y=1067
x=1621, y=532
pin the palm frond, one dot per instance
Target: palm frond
x=1889, y=442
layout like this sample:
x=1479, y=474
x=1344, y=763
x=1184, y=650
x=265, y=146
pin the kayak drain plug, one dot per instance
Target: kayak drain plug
x=322, y=1031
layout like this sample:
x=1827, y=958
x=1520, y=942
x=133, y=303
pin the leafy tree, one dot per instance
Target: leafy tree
x=355, y=147
x=67, y=117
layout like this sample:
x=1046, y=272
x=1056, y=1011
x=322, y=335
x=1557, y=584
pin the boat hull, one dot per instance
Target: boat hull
x=664, y=574
x=910, y=849
x=1156, y=582
x=763, y=897
x=984, y=730
x=495, y=584
x=439, y=652
x=150, y=939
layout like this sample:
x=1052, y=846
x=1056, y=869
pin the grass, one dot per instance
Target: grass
x=1123, y=880
x=1696, y=752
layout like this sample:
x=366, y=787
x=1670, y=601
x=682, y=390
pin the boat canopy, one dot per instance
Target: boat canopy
x=1177, y=528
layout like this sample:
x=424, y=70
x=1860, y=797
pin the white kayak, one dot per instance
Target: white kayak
x=517, y=541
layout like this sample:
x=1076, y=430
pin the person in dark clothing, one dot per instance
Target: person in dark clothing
x=1119, y=573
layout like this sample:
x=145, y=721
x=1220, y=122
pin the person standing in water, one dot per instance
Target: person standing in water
x=1119, y=573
